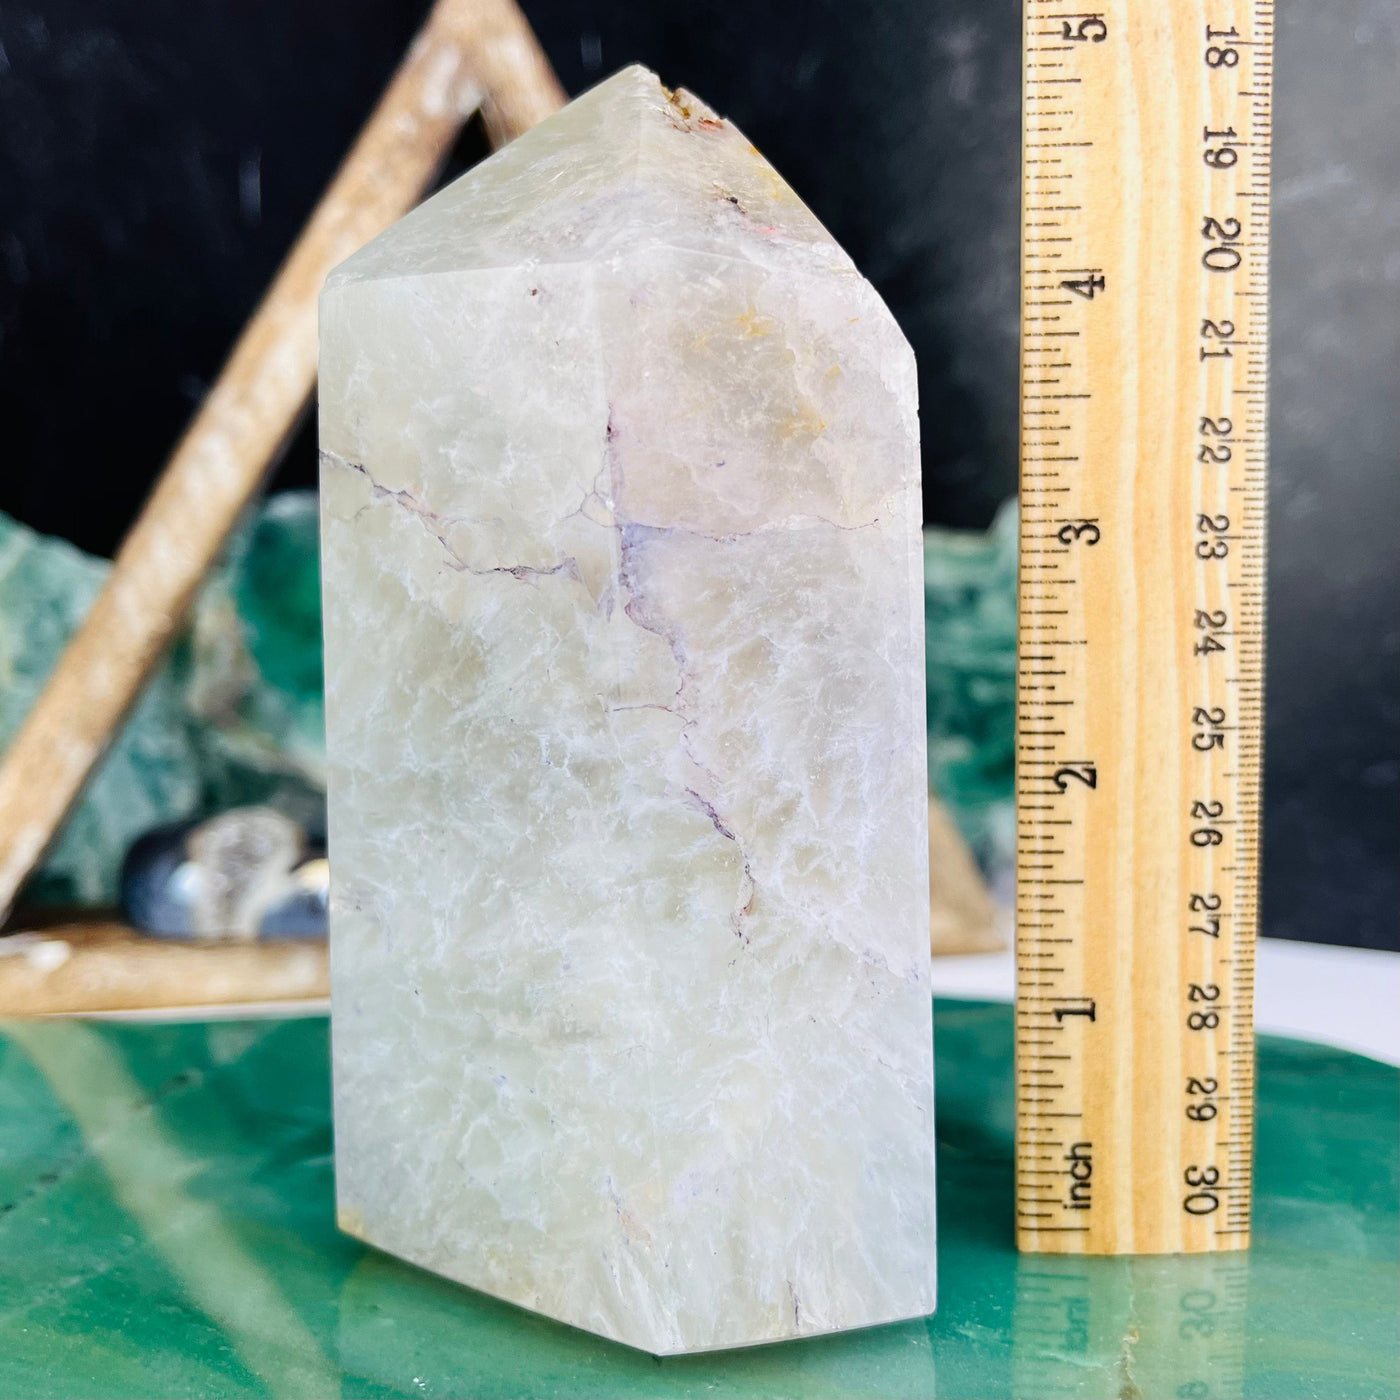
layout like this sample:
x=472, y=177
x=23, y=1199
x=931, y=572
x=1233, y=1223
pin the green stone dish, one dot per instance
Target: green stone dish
x=167, y=1229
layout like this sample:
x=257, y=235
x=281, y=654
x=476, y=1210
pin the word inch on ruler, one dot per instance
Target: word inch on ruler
x=1144, y=360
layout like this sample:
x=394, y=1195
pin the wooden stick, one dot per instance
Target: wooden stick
x=963, y=916
x=469, y=54
x=80, y=969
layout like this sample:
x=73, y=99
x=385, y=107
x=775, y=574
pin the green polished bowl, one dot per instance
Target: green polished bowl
x=167, y=1229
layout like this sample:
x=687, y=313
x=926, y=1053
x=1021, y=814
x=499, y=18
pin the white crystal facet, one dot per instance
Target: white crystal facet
x=624, y=650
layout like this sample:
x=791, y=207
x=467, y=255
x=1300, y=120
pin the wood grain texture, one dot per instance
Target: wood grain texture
x=470, y=53
x=1144, y=333
x=963, y=916
x=87, y=968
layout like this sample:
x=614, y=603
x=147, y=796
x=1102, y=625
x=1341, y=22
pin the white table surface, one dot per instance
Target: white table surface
x=1347, y=997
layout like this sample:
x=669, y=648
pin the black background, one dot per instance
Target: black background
x=157, y=158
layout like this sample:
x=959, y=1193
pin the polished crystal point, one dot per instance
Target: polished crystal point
x=626, y=739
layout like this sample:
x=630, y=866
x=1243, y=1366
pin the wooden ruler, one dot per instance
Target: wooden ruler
x=1144, y=336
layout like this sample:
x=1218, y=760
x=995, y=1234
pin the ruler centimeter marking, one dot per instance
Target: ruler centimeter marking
x=1144, y=333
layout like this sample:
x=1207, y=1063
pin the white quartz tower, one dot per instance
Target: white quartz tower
x=624, y=673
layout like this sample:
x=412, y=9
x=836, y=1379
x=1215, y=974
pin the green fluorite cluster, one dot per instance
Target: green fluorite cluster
x=235, y=714
x=970, y=608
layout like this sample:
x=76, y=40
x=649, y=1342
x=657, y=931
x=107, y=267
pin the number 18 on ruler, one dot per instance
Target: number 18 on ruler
x=1144, y=362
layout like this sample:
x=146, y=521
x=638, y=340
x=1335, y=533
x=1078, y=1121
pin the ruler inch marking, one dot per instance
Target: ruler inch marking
x=1144, y=373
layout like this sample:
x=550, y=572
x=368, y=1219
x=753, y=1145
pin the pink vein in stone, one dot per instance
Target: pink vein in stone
x=638, y=611
x=435, y=524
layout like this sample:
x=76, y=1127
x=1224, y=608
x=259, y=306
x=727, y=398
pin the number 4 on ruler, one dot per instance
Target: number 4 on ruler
x=1092, y=281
